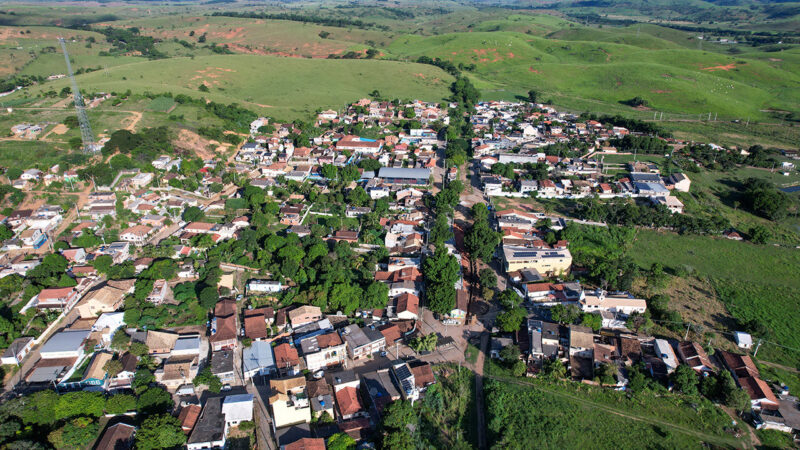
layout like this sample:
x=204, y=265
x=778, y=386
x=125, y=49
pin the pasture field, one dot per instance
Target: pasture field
x=752, y=281
x=670, y=78
x=26, y=154
x=523, y=412
x=280, y=87
x=257, y=36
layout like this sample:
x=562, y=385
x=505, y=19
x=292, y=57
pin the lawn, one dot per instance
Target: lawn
x=285, y=88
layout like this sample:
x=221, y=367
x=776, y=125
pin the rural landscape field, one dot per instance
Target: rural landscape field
x=399, y=224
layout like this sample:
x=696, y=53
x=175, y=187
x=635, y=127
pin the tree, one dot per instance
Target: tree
x=518, y=368
x=341, y=441
x=6, y=233
x=160, y=432
x=656, y=278
x=398, y=415
x=508, y=299
x=193, y=214
x=487, y=278
x=120, y=404
x=154, y=400
x=684, y=379
x=75, y=434
x=441, y=232
x=759, y=234
x=533, y=96
x=13, y=173
x=553, y=369
x=441, y=272
x=113, y=367
x=565, y=314
x=375, y=296
x=606, y=374
x=139, y=348
x=205, y=377
x=510, y=353
x=399, y=440
x=593, y=321
x=208, y=297
x=480, y=240
x=510, y=321
x=357, y=196
x=425, y=343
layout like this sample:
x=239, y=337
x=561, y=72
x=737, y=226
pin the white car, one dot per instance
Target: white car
x=318, y=374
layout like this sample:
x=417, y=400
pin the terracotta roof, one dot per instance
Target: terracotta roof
x=328, y=340
x=462, y=299
x=408, y=302
x=347, y=400
x=255, y=327
x=117, y=437
x=391, y=332
x=306, y=444
x=225, y=308
x=95, y=369
x=757, y=389
x=55, y=293
x=178, y=367
x=188, y=417
x=286, y=355
x=157, y=340
x=741, y=365
x=315, y=388
x=423, y=374
x=226, y=329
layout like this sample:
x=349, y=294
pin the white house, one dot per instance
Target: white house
x=743, y=340
x=263, y=286
x=237, y=409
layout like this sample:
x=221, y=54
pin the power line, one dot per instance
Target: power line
x=83, y=120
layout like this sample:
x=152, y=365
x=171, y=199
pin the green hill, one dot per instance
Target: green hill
x=280, y=87
x=614, y=65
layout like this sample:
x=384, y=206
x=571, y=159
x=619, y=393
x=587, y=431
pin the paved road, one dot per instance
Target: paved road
x=266, y=440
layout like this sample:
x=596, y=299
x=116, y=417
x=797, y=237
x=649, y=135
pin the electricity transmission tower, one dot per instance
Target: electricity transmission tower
x=83, y=120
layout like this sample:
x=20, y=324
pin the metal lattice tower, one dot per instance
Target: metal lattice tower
x=83, y=121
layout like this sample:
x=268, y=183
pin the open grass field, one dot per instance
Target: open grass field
x=285, y=88
x=30, y=153
x=753, y=282
x=672, y=78
x=256, y=36
x=523, y=413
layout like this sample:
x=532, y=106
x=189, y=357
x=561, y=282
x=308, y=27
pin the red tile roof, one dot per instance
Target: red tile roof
x=188, y=417
x=286, y=355
x=408, y=302
x=347, y=400
x=306, y=444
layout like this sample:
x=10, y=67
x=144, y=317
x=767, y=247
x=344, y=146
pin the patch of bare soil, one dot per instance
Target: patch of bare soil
x=191, y=142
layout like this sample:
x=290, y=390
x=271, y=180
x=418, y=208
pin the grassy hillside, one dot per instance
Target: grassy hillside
x=618, y=67
x=754, y=282
x=281, y=37
x=281, y=87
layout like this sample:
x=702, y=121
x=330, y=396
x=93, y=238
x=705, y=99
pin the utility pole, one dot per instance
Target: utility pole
x=755, y=353
x=686, y=336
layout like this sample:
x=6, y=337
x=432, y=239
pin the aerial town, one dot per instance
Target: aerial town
x=303, y=289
